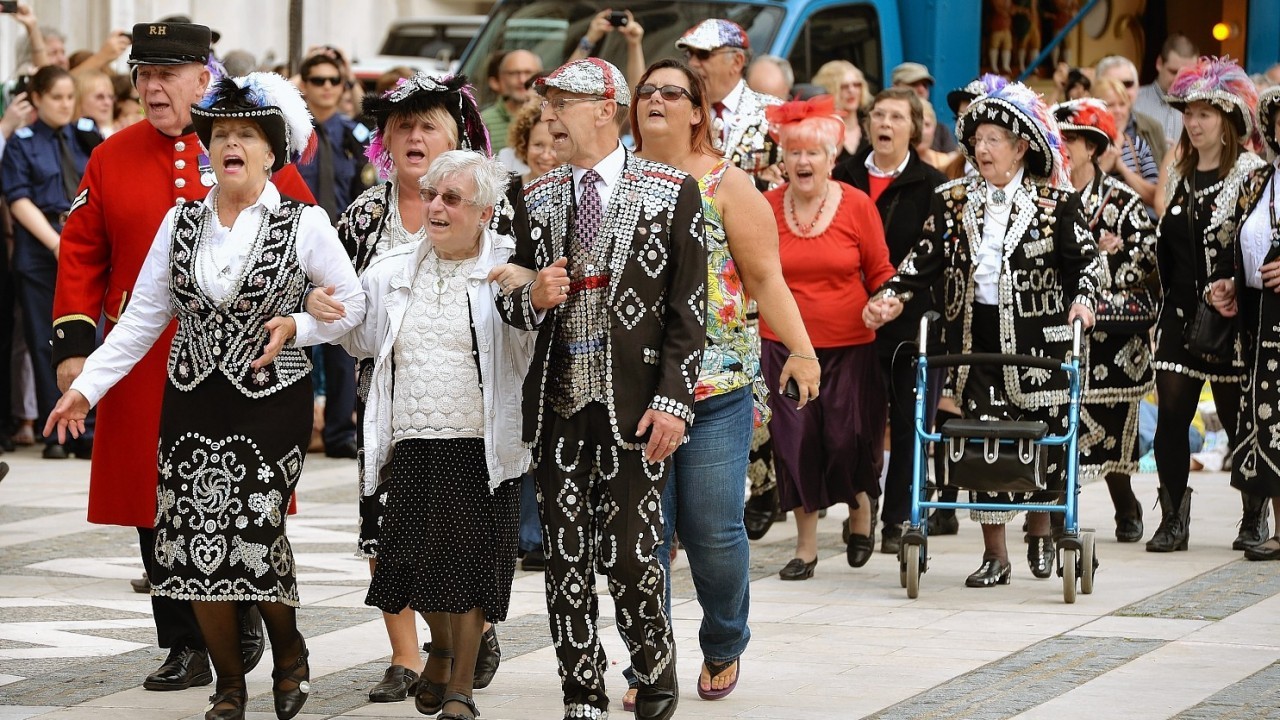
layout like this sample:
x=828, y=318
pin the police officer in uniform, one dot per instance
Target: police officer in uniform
x=129, y=184
x=336, y=175
x=40, y=173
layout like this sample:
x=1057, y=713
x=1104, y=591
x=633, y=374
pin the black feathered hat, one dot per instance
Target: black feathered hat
x=421, y=93
x=265, y=98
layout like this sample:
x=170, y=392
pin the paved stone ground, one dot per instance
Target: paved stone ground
x=1193, y=635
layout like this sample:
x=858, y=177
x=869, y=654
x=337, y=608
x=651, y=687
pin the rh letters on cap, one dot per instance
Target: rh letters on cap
x=156, y=30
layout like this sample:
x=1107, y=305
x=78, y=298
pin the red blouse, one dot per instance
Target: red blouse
x=833, y=274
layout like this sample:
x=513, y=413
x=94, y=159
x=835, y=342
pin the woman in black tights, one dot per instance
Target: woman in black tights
x=1195, y=251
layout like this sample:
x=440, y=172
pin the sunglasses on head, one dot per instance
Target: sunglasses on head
x=319, y=81
x=670, y=93
x=450, y=198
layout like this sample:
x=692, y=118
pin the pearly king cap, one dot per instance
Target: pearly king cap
x=265, y=98
x=1086, y=116
x=1021, y=111
x=910, y=73
x=1268, y=105
x=591, y=76
x=714, y=34
x=170, y=43
x=1221, y=83
x=984, y=85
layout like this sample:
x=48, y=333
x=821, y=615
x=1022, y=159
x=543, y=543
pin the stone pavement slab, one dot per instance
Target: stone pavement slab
x=1192, y=635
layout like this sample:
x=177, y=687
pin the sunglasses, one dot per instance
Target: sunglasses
x=450, y=199
x=1128, y=83
x=320, y=81
x=670, y=93
x=705, y=55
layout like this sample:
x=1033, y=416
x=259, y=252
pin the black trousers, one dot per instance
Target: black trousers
x=339, y=395
x=899, y=370
x=176, y=625
x=601, y=509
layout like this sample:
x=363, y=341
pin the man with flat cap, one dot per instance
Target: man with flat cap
x=619, y=305
x=131, y=180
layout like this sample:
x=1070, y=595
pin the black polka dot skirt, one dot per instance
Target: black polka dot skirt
x=446, y=544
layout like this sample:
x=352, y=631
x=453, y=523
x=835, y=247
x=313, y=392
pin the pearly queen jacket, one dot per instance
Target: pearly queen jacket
x=1050, y=263
x=656, y=293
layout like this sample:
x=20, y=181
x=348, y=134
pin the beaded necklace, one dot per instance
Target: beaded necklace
x=806, y=229
x=394, y=227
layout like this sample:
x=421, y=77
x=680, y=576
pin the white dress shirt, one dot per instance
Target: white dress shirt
x=874, y=170
x=609, y=169
x=990, y=253
x=1255, y=235
x=150, y=309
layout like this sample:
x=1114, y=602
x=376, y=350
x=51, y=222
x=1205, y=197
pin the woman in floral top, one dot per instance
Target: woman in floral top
x=703, y=500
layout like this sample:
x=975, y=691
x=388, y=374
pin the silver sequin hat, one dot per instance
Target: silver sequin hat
x=591, y=76
x=1268, y=105
x=1221, y=83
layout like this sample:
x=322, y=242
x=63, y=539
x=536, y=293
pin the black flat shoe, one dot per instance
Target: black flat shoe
x=397, y=682
x=940, y=524
x=989, y=574
x=253, y=638
x=429, y=697
x=891, y=539
x=1041, y=555
x=859, y=549
x=183, y=668
x=488, y=660
x=655, y=703
x=759, y=514
x=289, y=701
x=798, y=569
x=464, y=700
x=1129, y=529
x=233, y=702
x=1269, y=550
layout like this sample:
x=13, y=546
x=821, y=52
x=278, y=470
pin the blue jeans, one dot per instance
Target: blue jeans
x=530, y=525
x=703, y=504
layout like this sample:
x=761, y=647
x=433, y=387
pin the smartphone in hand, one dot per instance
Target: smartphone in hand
x=9, y=6
x=792, y=390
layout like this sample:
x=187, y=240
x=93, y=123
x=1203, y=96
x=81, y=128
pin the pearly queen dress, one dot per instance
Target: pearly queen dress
x=232, y=437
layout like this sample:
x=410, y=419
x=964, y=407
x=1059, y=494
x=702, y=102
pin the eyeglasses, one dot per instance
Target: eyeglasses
x=990, y=141
x=670, y=93
x=562, y=103
x=320, y=81
x=1128, y=83
x=450, y=199
x=705, y=55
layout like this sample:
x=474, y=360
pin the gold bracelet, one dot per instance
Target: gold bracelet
x=804, y=357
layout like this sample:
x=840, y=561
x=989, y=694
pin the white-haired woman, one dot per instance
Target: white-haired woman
x=442, y=423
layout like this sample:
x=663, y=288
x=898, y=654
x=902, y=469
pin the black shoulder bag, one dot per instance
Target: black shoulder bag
x=1209, y=335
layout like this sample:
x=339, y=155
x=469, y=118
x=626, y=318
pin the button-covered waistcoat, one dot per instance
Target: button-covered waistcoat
x=229, y=335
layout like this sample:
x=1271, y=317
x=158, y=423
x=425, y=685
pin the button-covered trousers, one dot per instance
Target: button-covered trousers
x=601, y=509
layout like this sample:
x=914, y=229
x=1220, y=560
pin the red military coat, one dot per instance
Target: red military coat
x=131, y=181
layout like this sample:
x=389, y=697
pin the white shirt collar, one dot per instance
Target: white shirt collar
x=875, y=171
x=609, y=168
x=1010, y=188
x=734, y=97
x=268, y=199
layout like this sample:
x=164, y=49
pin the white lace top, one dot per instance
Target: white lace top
x=436, y=391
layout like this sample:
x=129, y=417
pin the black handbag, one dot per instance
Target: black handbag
x=1128, y=311
x=995, y=456
x=1209, y=335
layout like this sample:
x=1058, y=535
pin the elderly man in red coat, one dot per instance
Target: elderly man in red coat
x=131, y=180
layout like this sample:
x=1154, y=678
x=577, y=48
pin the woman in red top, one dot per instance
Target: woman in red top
x=833, y=256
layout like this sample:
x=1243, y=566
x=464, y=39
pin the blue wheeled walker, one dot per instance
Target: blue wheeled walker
x=996, y=456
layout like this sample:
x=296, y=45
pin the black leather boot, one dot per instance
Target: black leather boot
x=1128, y=509
x=1254, y=528
x=1175, y=524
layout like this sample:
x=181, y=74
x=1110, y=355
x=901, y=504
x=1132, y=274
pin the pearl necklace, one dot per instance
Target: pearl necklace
x=803, y=228
x=395, y=224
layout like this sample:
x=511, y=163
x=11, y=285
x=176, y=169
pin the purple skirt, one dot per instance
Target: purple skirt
x=833, y=449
